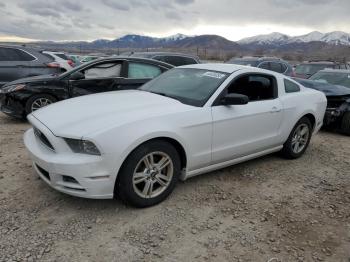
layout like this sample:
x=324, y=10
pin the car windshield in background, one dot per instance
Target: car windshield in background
x=342, y=79
x=253, y=63
x=188, y=85
x=310, y=69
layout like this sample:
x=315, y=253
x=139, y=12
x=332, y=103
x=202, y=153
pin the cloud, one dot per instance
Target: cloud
x=116, y=5
x=91, y=19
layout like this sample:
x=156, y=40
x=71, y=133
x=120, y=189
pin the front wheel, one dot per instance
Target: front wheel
x=149, y=174
x=38, y=101
x=298, y=140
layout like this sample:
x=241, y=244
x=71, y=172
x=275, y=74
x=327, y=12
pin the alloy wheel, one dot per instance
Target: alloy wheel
x=300, y=138
x=39, y=103
x=153, y=174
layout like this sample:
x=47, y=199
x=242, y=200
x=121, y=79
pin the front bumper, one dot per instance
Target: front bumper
x=11, y=106
x=74, y=174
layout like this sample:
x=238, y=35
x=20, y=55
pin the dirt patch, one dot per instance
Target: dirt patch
x=268, y=209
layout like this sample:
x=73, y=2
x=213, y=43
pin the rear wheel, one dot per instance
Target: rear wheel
x=298, y=140
x=345, y=124
x=149, y=174
x=38, y=101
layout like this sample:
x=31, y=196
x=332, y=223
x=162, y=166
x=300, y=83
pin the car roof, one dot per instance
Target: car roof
x=318, y=63
x=226, y=68
x=330, y=70
x=257, y=58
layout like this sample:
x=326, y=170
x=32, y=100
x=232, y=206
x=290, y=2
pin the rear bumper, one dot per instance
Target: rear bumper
x=74, y=174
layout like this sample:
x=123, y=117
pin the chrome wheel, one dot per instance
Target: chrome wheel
x=153, y=174
x=39, y=103
x=300, y=138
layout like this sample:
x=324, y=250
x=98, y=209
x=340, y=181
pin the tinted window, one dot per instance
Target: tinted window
x=276, y=67
x=333, y=78
x=177, y=60
x=188, y=85
x=103, y=71
x=290, y=87
x=265, y=65
x=139, y=70
x=310, y=69
x=13, y=54
x=256, y=87
x=63, y=56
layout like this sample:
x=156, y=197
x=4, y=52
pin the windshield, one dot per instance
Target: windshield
x=342, y=79
x=310, y=69
x=187, y=85
x=253, y=63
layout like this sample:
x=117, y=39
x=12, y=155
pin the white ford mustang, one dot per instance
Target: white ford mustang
x=190, y=120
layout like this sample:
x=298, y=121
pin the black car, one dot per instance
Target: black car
x=175, y=59
x=24, y=96
x=269, y=63
x=307, y=69
x=18, y=62
x=338, y=98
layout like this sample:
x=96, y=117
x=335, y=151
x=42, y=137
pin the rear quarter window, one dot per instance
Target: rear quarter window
x=290, y=87
x=14, y=54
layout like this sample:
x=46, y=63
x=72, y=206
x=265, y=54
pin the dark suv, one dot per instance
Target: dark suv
x=307, y=69
x=18, y=62
x=269, y=63
x=175, y=59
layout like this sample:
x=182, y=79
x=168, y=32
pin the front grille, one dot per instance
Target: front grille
x=43, y=138
x=43, y=172
x=335, y=102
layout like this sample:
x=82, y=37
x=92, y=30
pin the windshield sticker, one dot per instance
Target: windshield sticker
x=214, y=75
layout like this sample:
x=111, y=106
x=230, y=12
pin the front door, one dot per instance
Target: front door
x=241, y=130
x=101, y=77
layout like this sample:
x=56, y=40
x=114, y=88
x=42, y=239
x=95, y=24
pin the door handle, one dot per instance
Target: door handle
x=275, y=110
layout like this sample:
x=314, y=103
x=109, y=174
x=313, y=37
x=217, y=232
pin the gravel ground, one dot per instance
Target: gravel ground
x=268, y=209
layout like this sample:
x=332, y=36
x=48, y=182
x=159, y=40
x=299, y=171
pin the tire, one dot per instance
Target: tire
x=298, y=141
x=345, y=124
x=36, y=100
x=136, y=173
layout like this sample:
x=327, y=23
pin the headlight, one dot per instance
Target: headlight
x=12, y=88
x=82, y=146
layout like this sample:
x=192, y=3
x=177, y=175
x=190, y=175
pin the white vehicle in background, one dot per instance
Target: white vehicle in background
x=62, y=60
x=190, y=120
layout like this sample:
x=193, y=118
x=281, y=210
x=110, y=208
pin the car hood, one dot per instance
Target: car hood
x=327, y=89
x=32, y=79
x=79, y=117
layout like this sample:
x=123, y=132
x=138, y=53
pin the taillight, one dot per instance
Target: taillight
x=53, y=65
x=71, y=63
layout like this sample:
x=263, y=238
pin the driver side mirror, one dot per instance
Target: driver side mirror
x=77, y=76
x=234, y=99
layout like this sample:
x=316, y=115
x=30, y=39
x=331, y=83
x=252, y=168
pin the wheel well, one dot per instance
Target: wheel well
x=179, y=148
x=312, y=119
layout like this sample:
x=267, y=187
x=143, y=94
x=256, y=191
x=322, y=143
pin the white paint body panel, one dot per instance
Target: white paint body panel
x=117, y=122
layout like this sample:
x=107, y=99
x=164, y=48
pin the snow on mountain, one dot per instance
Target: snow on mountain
x=310, y=37
x=273, y=38
x=336, y=38
x=175, y=37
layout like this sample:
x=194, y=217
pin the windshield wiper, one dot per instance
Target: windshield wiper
x=163, y=94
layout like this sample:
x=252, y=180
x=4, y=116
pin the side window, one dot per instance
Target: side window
x=13, y=54
x=290, y=87
x=188, y=61
x=276, y=67
x=104, y=70
x=265, y=65
x=284, y=68
x=139, y=70
x=175, y=60
x=257, y=87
